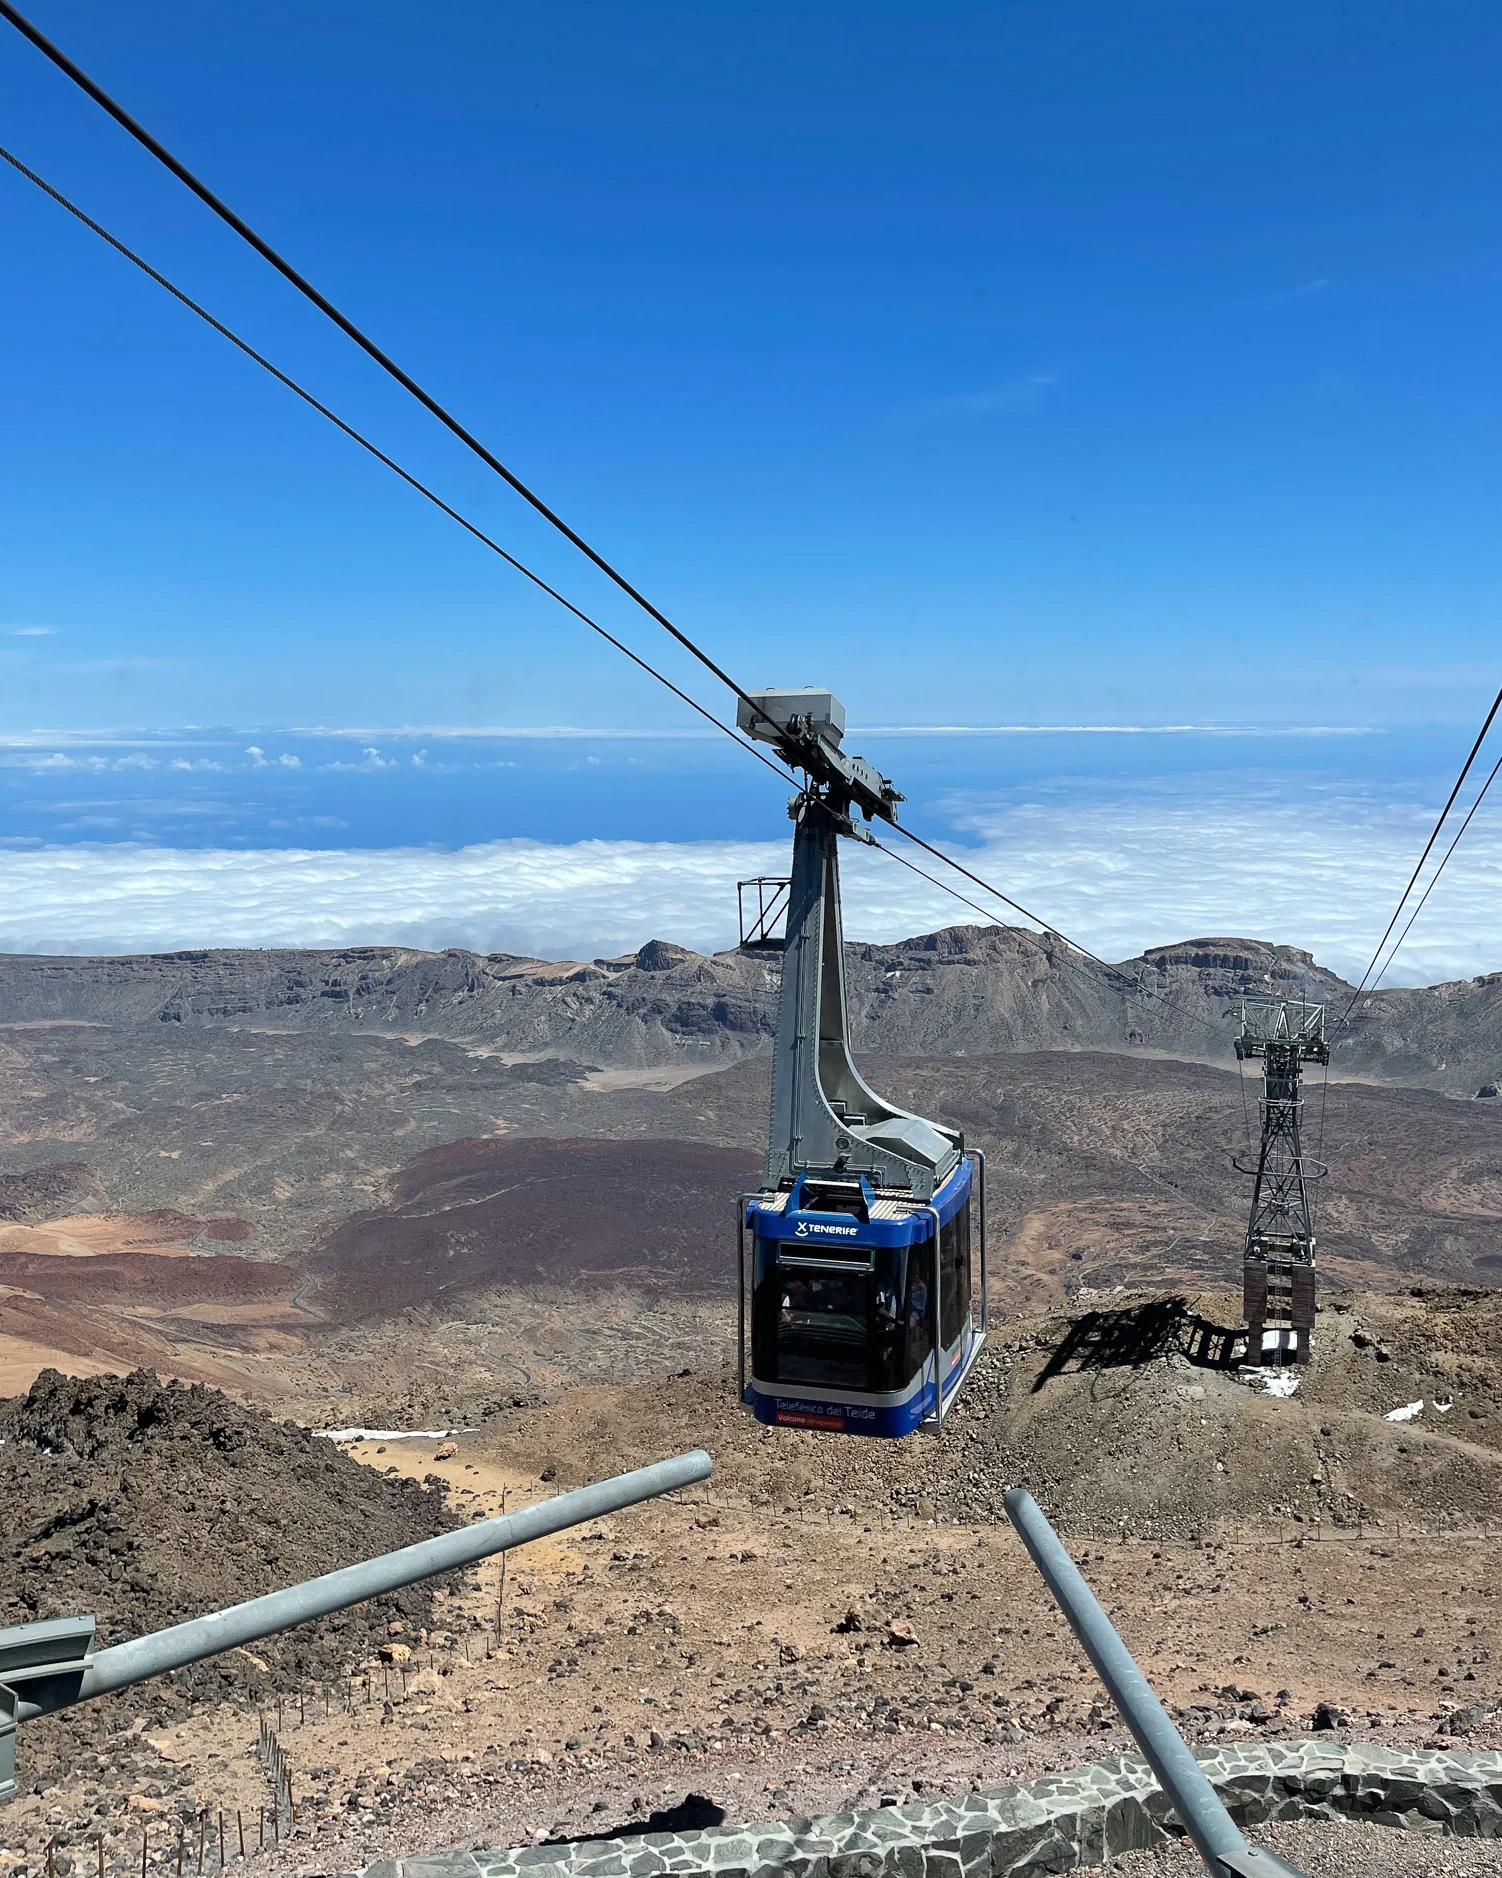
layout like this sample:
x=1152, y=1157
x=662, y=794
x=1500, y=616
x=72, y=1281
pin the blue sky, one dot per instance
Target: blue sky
x=1028, y=364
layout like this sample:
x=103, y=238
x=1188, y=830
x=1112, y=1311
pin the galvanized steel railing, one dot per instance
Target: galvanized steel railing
x=1216, y=1836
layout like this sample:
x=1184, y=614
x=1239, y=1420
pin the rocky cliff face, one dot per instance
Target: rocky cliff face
x=659, y=1005
x=963, y=990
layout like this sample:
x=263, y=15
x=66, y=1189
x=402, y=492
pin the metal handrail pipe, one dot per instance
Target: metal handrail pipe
x=1216, y=1836
x=165, y=1650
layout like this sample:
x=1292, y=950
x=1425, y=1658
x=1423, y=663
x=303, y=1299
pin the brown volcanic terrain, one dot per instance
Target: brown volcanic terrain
x=397, y=1190
x=482, y=1215
x=143, y=1504
x=254, y=1193
x=1260, y=1555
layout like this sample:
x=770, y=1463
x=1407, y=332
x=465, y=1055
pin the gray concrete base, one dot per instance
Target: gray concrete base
x=1057, y=1824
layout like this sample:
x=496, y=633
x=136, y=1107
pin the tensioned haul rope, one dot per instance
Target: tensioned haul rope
x=1465, y=770
x=375, y=450
x=446, y=508
x=1066, y=963
x=1434, y=881
x=71, y=69
x=347, y=326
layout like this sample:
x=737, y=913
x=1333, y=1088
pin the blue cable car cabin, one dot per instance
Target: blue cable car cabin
x=858, y=1296
x=850, y=1332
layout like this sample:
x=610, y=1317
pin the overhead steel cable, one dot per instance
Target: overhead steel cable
x=347, y=326
x=367, y=345
x=380, y=456
x=1006, y=899
x=975, y=907
x=1419, y=868
x=1017, y=906
x=964, y=899
x=1434, y=880
x=304, y=286
x=430, y=495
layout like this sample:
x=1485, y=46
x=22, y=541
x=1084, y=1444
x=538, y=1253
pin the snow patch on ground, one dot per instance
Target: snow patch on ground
x=1278, y=1382
x=1410, y=1410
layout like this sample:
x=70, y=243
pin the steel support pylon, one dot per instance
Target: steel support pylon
x=1278, y=1285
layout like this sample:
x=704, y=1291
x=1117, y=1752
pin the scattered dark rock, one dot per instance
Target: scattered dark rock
x=146, y=1503
x=44, y=1192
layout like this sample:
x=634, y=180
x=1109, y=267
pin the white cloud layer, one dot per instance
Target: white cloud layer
x=1160, y=865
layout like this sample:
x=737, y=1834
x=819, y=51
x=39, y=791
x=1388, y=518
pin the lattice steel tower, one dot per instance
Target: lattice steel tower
x=1278, y=1261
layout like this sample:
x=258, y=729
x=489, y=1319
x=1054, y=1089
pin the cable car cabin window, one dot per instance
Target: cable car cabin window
x=822, y=1327
x=954, y=1257
x=829, y=1329
x=888, y=1342
x=918, y=1312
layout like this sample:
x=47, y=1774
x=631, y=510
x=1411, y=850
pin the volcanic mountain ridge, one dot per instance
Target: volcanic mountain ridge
x=962, y=990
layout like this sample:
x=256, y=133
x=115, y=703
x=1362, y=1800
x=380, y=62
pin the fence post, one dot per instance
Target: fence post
x=500, y=1599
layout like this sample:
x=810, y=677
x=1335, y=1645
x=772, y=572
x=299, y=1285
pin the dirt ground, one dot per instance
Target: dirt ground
x=1336, y=1851
x=291, y=1217
x=141, y=1503
x=830, y=1624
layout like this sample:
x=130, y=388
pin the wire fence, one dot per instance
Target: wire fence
x=209, y=1840
x=206, y=1837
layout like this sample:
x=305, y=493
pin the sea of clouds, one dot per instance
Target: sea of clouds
x=1145, y=867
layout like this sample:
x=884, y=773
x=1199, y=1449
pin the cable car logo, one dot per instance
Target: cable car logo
x=805, y=1227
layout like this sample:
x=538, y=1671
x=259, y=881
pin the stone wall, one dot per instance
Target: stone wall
x=1059, y=1823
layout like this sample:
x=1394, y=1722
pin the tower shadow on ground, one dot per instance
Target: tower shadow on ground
x=1126, y=1339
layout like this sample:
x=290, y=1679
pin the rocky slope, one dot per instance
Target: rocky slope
x=962, y=990
x=146, y=1503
